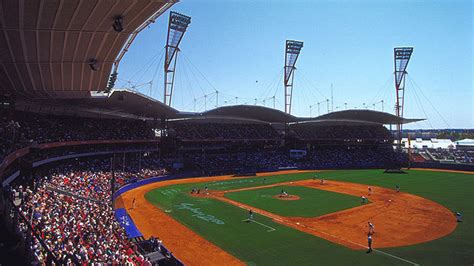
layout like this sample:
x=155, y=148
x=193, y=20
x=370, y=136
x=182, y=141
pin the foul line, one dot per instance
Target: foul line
x=326, y=233
x=396, y=257
x=376, y=250
x=271, y=229
x=322, y=232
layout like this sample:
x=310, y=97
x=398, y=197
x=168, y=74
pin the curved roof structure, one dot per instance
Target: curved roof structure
x=253, y=112
x=361, y=116
x=54, y=49
x=118, y=104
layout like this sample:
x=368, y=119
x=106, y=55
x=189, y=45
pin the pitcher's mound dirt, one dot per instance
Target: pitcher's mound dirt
x=288, y=197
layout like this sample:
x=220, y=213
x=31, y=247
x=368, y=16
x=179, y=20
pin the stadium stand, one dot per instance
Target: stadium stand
x=224, y=131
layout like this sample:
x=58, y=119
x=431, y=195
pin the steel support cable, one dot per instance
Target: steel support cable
x=305, y=96
x=148, y=63
x=191, y=63
x=186, y=61
x=158, y=67
x=381, y=89
x=303, y=76
x=428, y=100
x=417, y=98
x=146, y=70
x=270, y=85
x=185, y=73
x=278, y=84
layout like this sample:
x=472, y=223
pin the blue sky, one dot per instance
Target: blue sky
x=237, y=48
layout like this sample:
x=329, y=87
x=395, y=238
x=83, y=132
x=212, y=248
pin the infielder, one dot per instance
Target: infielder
x=371, y=228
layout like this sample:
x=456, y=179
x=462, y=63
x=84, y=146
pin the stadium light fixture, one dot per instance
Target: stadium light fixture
x=292, y=51
x=118, y=23
x=93, y=64
x=177, y=26
x=401, y=57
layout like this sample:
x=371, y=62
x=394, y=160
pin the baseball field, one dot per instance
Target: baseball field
x=299, y=220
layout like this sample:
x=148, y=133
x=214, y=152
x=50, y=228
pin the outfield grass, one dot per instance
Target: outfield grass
x=221, y=223
x=312, y=202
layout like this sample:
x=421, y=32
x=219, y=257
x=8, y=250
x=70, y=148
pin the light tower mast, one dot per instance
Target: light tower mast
x=178, y=23
x=292, y=52
x=401, y=58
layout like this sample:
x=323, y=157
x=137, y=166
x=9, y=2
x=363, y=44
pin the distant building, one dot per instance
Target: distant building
x=465, y=144
x=432, y=143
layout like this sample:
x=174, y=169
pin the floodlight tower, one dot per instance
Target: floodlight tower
x=401, y=58
x=178, y=23
x=292, y=52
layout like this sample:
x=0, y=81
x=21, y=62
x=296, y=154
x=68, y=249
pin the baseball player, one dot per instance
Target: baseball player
x=371, y=228
x=315, y=177
x=397, y=187
x=370, y=190
x=369, y=243
x=363, y=199
x=322, y=181
x=458, y=217
x=133, y=203
x=250, y=215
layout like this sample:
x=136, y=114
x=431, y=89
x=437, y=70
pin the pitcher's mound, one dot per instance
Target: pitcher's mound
x=288, y=197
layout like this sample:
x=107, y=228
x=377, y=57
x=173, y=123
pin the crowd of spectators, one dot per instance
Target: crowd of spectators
x=459, y=156
x=69, y=208
x=310, y=131
x=201, y=131
x=343, y=157
x=329, y=157
x=42, y=129
x=22, y=129
x=92, y=178
x=75, y=230
x=238, y=161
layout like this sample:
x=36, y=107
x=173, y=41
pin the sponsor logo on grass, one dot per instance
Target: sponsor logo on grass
x=239, y=181
x=199, y=214
x=169, y=192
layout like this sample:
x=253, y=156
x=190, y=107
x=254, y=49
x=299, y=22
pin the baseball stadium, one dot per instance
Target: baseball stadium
x=96, y=169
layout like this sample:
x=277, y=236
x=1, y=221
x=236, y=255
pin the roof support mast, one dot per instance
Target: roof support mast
x=131, y=38
x=292, y=52
x=402, y=56
x=178, y=23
